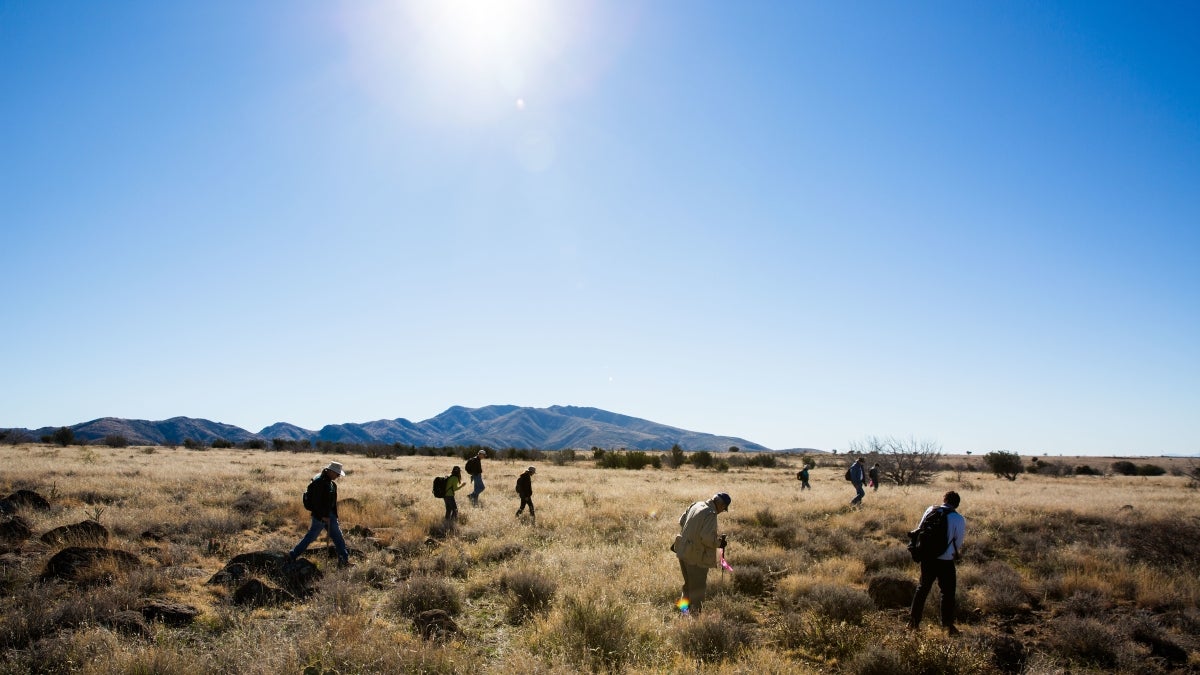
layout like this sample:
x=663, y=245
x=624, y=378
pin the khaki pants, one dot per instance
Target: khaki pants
x=695, y=580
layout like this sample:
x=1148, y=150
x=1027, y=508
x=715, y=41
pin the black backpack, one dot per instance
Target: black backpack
x=439, y=486
x=307, y=501
x=930, y=539
x=473, y=467
x=848, y=472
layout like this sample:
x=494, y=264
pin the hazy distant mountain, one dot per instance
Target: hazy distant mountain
x=496, y=426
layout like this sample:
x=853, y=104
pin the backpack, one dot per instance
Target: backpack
x=307, y=501
x=930, y=539
x=473, y=468
x=439, y=486
x=848, y=472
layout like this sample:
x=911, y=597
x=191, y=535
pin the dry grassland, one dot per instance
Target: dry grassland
x=1083, y=573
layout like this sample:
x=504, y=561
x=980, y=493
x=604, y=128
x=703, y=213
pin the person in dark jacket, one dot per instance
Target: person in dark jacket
x=474, y=469
x=858, y=476
x=322, y=502
x=525, y=492
x=453, y=484
x=873, y=474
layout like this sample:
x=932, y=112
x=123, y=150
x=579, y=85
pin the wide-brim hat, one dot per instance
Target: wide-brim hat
x=532, y=469
x=335, y=467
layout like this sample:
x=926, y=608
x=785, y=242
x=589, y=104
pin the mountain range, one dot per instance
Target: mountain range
x=494, y=426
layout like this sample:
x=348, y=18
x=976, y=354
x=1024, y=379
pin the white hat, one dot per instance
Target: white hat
x=482, y=453
x=335, y=467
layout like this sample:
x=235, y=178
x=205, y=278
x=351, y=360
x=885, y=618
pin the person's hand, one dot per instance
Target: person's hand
x=721, y=541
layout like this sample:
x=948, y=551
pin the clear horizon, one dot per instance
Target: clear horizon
x=801, y=225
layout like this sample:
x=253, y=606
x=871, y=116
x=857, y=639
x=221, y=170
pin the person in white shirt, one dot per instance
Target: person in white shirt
x=941, y=568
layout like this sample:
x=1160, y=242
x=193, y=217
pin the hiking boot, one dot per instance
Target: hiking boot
x=952, y=631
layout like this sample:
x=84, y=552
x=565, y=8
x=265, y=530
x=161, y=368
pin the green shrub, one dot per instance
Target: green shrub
x=702, y=459
x=1150, y=470
x=1124, y=468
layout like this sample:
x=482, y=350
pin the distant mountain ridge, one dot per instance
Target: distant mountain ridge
x=494, y=426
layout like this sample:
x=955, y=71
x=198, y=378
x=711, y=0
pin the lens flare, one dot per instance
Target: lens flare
x=683, y=605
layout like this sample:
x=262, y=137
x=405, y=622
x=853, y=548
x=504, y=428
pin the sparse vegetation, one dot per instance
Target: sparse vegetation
x=1058, y=575
x=1003, y=464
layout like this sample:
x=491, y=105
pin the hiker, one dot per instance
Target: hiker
x=321, y=501
x=802, y=476
x=525, y=492
x=475, y=470
x=941, y=568
x=857, y=475
x=453, y=483
x=696, y=547
x=873, y=474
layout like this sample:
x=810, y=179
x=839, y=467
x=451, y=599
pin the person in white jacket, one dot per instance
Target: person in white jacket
x=696, y=547
x=941, y=569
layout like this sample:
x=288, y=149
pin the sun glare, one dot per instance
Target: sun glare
x=468, y=60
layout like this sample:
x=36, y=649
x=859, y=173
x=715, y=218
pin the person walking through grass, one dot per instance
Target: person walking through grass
x=474, y=468
x=321, y=500
x=453, y=484
x=873, y=474
x=858, y=475
x=942, y=567
x=696, y=547
x=525, y=492
x=802, y=476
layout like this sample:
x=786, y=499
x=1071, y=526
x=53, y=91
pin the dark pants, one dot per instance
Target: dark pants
x=947, y=580
x=859, y=493
x=527, y=501
x=451, y=508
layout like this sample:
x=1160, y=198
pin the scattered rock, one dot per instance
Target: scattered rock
x=435, y=624
x=170, y=613
x=891, y=592
x=74, y=562
x=129, y=622
x=28, y=499
x=361, y=531
x=88, y=530
x=14, y=529
x=257, y=594
x=155, y=533
x=296, y=576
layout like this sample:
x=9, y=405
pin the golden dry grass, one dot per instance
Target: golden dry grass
x=1040, y=550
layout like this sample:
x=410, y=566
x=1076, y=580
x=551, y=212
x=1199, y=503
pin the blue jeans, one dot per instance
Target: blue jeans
x=477, y=482
x=314, y=531
x=859, y=492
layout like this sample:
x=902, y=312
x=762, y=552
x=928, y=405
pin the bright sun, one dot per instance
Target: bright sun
x=464, y=60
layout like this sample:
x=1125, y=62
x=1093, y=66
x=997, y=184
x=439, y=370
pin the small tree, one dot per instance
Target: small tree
x=64, y=436
x=904, y=462
x=676, y=458
x=1003, y=464
x=702, y=459
x=734, y=448
x=116, y=441
x=1125, y=468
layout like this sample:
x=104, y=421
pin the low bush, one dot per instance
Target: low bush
x=596, y=632
x=422, y=593
x=711, y=638
x=1085, y=641
x=529, y=593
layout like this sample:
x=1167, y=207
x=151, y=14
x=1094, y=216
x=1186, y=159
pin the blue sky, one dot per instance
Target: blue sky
x=800, y=224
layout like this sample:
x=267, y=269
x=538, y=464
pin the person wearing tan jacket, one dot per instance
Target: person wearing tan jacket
x=696, y=547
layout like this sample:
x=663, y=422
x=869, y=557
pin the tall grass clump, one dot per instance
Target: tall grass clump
x=710, y=638
x=529, y=593
x=596, y=633
x=422, y=593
